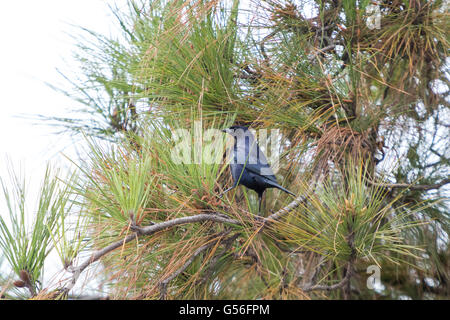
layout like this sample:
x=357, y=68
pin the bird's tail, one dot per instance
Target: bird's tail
x=276, y=185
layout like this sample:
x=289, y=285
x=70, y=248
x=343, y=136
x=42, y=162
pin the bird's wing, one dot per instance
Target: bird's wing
x=257, y=162
x=261, y=170
x=248, y=153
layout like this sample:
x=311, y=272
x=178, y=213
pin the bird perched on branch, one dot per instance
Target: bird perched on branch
x=249, y=166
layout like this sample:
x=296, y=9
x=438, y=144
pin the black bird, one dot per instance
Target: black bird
x=249, y=165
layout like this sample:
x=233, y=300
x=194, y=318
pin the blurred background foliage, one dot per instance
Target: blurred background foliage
x=362, y=110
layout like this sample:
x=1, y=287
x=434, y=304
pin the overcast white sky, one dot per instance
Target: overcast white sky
x=34, y=44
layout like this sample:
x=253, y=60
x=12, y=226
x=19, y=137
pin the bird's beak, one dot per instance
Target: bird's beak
x=224, y=131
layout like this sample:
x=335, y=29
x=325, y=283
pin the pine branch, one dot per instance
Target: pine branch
x=283, y=211
x=263, y=48
x=164, y=283
x=338, y=285
x=141, y=231
x=215, y=260
x=423, y=187
x=152, y=229
x=350, y=269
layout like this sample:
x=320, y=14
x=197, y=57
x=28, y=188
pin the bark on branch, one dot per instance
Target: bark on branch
x=423, y=187
x=349, y=269
x=154, y=228
x=140, y=231
x=338, y=285
x=164, y=283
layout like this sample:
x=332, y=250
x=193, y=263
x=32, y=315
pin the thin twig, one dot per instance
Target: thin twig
x=228, y=243
x=263, y=49
x=338, y=285
x=349, y=270
x=411, y=186
x=282, y=212
x=163, y=284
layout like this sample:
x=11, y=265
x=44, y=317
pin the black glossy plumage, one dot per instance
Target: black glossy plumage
x=249, y=166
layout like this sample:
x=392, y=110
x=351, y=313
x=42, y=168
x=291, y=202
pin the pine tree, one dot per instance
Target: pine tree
x=358, y=93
